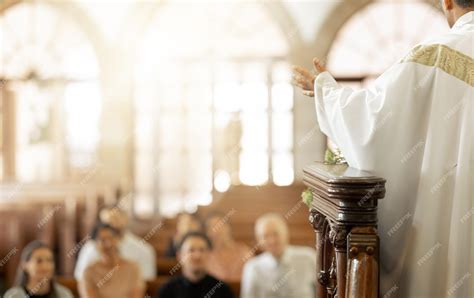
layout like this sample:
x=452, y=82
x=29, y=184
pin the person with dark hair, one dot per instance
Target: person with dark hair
x=131, y=247
x=463, y=3
x=186, y=222
x=455, y=9
x=414, y=127
x=195, y=282
x=35, y=275
x=111, y=275
x=228, y=256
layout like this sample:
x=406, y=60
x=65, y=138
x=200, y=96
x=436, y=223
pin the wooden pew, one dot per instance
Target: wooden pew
x=69, y=283
x=152, y=287
x=167, y=266
x=344, y=217
x=89, y=199
x=57, y=214
x=18, y=226
x=12, y=242
x=243, y=205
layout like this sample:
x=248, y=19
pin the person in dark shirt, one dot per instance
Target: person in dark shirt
x=195, y=282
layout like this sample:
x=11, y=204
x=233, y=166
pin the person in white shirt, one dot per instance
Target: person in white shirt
x=131, y=247
x=282, y=270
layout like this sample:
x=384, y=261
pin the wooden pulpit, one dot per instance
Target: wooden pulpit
x=343, y=211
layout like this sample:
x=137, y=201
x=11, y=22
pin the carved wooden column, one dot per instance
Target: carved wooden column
x=318, y=220
x=344, y=217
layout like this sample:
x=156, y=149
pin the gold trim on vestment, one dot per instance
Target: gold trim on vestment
x=450, y=61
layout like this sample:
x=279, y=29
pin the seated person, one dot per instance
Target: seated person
x=131, y=247
x=282, y=270
x=35, y=276
x=111, y=275
x=186, y=222
x=193, y=255
x=228, y=256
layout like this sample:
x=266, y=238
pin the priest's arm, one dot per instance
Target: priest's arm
x=361, y=121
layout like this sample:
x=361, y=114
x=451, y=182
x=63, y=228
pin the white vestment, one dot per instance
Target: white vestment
x=415, y=128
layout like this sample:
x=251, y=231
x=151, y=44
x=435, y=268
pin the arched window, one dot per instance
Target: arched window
x=378, y=36
x=50, y=103
x=213, y=104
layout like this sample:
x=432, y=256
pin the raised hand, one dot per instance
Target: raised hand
x=304, y=79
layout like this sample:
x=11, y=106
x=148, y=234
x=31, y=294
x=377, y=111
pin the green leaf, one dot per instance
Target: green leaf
x=329, y=157
x=333, y=158
x=307, y=197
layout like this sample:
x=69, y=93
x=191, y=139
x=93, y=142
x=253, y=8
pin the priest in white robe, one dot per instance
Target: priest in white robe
x=415, y=127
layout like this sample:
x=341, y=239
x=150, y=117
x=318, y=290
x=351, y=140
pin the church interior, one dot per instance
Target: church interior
x=171, y=107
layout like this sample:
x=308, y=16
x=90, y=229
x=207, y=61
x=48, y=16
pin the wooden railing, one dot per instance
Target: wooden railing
x=343, y=213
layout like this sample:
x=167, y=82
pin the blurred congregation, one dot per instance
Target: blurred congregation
x=48, y=246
